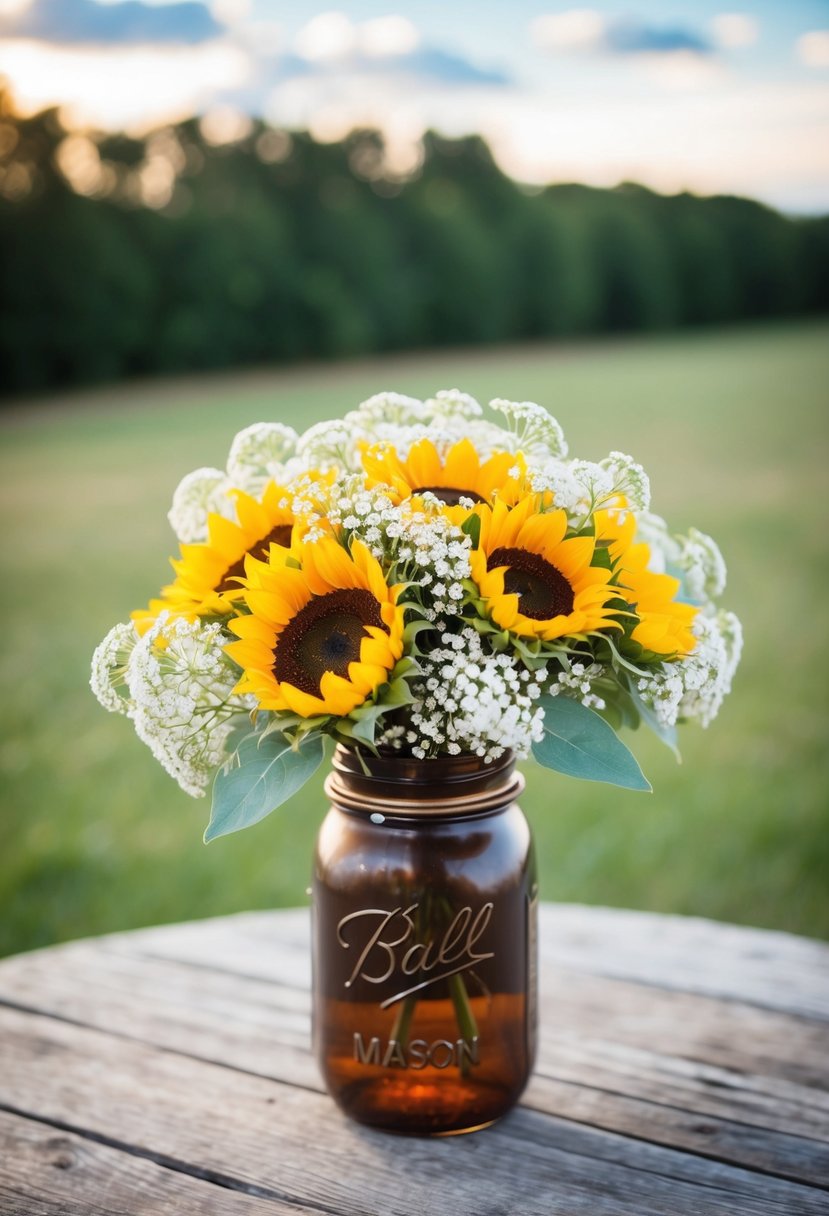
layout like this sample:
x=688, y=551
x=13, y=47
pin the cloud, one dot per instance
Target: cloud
x=232, y=12
x=333, y=36
x=131, y=22
x=637, y=38
x=735, y=30
x=108, y=89
x=328, y=36
x=393, y=35
x=813, y=49
x=586, y=30
x=575, y=29
x=770, y=141
x=434, y=64
x=683, y=71
x=332, y=42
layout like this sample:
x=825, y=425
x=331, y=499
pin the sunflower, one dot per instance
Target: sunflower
x=208, y=575
x=534, y=580
x=321, y=637
x=664, y=625
x=460, y=475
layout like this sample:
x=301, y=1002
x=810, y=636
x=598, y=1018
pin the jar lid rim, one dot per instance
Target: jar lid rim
x=469, y=802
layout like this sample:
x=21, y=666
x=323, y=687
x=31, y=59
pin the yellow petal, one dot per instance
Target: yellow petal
x=461, y=467
x=423, y=465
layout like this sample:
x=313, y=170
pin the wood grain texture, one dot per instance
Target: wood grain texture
x=179, y=1058
x=47, y=1172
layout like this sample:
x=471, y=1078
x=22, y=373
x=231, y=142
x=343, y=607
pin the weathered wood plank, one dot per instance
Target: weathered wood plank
x=722, y=1139
x=250, y=1024
x=260, y=945
x=653, y=1076
x=772, y=970
x=682, y=1022
x=47, y=1172
x=735, y=1051
x=726, y=1034
x=597, y=1049
x=293, y=1142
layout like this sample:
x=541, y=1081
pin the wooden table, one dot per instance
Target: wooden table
x=682, y=1069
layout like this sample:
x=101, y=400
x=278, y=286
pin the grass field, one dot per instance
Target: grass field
x=733, y=430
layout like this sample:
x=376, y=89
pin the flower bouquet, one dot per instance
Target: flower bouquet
x=424, y=579
x=439, y=592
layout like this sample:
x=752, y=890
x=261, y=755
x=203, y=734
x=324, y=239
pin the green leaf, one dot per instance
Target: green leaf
x=482, y=624
x=612, y=715
x=397, y=693
x=270, y=771
x=411, y=642
x=472, y=527
x=601, y=557
x=237, y=735
x=365, y=720
x=413, y=628
x=667, y=734
x=578, y=742
x=617, y=659
x=618, y=698
x=347, y=729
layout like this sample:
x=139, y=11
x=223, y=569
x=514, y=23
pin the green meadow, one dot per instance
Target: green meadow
x=732, y=427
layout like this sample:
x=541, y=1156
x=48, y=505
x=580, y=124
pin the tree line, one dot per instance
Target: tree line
x=172, y=253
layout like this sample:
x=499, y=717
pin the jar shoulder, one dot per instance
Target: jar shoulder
x=490, y=848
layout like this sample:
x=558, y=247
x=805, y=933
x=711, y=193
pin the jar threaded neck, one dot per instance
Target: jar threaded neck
x=404, y=786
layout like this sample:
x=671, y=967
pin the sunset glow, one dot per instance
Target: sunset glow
x=734, y=102
x=128, y=87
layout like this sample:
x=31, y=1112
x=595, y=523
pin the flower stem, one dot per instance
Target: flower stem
x=403, y=1021
x=464, y=1016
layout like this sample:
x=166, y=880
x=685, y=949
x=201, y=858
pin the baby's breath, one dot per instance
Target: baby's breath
x=628, y=479
x=181, y=698
x=577, y=682
x=702, y=565
x=694, y=557
x=261, y=453
x=470, y=700
x=328, y=445
x=465, y=685
x=199, y=494
x=694, y=689
x=110, y=663
x=536, y=430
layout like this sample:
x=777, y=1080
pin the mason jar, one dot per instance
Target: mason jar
x=424, y=941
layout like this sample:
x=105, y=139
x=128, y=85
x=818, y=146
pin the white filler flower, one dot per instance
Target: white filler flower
x=110, y=664
x=199, y=494
x=263, y=452
x=181, y=698
x=468, y=700
x=694, y=689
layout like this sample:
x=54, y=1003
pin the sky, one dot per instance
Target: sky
x=695, y=96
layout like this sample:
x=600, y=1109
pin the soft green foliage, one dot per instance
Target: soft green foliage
x=269, y=770
x=94, y=836
x=581, y=744
x=317, y=255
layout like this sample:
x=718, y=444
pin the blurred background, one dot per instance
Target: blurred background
x=218, y=213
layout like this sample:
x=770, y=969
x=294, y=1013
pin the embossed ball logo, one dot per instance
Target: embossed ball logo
x=386, y=945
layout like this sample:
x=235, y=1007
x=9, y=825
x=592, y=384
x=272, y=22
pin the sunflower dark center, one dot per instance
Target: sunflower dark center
x=449, y=494
x=280, y=535
x=325, y=635
x=543, y=591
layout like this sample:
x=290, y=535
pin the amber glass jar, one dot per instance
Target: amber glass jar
x=424, y=910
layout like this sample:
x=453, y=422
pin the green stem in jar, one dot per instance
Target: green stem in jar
x=429, y=915
x=403, y=1021
x=464, y=1016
